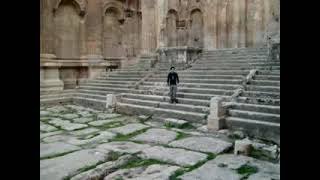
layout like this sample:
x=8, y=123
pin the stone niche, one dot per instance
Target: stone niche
x=180, y=55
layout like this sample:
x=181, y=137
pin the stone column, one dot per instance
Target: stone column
x=91, y=31
x=216, y=119
x=49, y=76
x=234, y=23
x=162, y=9
x=242, y=24
x=251, y=22
x=209, y=17
x=148, y=35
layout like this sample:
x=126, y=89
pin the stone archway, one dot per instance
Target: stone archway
x=67, y=30
x=112, y=33
x=196, y=28
x=171, y=25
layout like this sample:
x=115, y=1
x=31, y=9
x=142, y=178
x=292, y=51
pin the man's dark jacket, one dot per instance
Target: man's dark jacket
x=173, y=78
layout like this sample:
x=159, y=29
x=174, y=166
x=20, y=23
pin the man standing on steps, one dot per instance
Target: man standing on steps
x=172, y=82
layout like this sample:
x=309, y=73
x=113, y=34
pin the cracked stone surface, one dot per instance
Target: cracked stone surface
x=47, y=127
x=76, y=144
x=123, y=147
x=172, y=155
x=129, y=128
x=56, y=148
x=203, y=144
x=82, y=120
x=158, y=136
x=155, y=172
x=65, y=166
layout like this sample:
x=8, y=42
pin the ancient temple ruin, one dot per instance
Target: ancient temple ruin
x=104, y=104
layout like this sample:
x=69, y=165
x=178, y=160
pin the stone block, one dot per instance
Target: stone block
x=244, y=147
x=216, y=119
x=111, y=101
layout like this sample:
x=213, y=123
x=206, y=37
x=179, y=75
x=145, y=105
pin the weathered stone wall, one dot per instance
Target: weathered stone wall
x=106, y=31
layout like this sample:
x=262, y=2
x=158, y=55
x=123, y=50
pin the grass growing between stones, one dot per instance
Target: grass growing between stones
x=181, y=135
x=258, y=154
x=138, y=162
x=56, y=155
x=121, y=137
x=247, y=170
x=184, y=126
x=179, y=172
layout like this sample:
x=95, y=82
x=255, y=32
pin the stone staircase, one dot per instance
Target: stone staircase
x=143, y=91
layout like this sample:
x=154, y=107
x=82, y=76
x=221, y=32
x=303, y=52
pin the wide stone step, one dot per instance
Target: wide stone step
x=197, y=85
x=90, y=102
x=119, y=79
x=105, y=85
x=91, y=96
x=213, y=72
x=268, y=72
x=264, y=83
x=234, y=62
x=219, y=68
x=166, y=105
x=259, y=94
x=98, y=92
x=262, y=101
x=266, y=77
x=125, y=76
x=191, y=90
x=179, y=94
x=131, y=109
x=275, y=118
x=105, y=88
x=111, y=82
x=264, y=88
x=213, y=81
x=188, y=76
x=256, y=108
x=194, y=102
x=259, y=129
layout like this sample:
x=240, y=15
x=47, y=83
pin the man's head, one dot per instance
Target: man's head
x=172, y=69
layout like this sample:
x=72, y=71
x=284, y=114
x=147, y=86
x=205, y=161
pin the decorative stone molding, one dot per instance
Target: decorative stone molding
x=81, y=4
x=118, y=6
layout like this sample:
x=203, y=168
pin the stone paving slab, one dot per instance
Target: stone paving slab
x=64, y=166
x=179, y=157
x=86, y=114
x=73, y=126
x=128, y=129
x=58, y=122
x=211, y=171
x=226, y=165
x=152, y=172
x=47, y=127
x=104, y=136
x=100, y=171
x=84, y=132
x=158, y=136
x=69, y=116
x=82, y=120
x=56, y=148
x=108, y=116
x=57, y=109
x=202, y=144
x=44, y=113
x=56, y=138
x=44, y=135
x=100, y=122
x=123, y=147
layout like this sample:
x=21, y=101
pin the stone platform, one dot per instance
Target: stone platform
x=74, y=146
